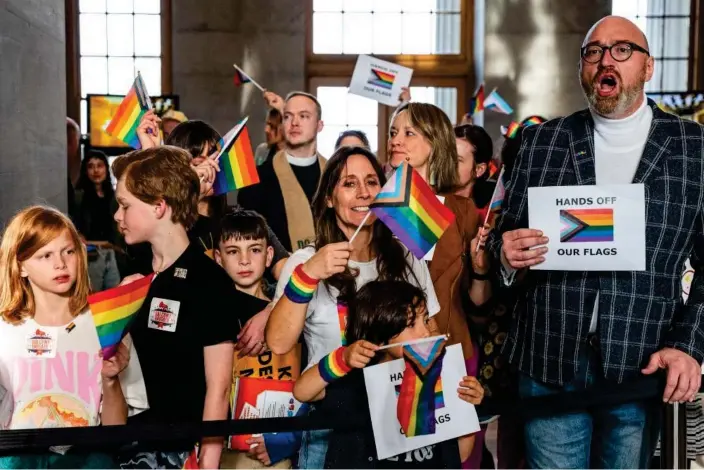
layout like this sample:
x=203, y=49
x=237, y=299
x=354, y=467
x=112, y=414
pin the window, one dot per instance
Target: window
x=667, y=25
x=433, y=37
x=118, y=38
x=386, y=26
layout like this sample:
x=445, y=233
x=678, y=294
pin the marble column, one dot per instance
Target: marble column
x=32, y=105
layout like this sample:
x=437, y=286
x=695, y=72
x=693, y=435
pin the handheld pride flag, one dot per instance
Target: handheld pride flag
x=236, y=158
x=113, y=311
x=241, y=78
x=135, y=104
x=409, y=207
x=494, y=102
x=417, y=398
x=476, y=104
x=510, y=131
x=497, y=198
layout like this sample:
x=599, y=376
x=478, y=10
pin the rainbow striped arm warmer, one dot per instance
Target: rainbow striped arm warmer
x=300, y=287
x=333, y=366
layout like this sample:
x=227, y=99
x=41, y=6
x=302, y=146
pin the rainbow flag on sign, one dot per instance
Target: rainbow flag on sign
x=476, y=104
x=417, y=399
x=113, y=311
x=587, y=225
x=236, y=158
x=135, y=104
x=381, y=78
x=494, y=102
x=409, y=207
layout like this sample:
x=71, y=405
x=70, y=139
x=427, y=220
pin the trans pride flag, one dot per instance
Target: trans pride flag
x=494, y=102
x=417, y=400
x=124, y=123
x=409, y=207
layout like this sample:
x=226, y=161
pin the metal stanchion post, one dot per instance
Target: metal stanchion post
x=673, y=439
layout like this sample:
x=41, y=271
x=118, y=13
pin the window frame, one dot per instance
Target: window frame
x=429, y=70
x=73, y=55
x=385, y=112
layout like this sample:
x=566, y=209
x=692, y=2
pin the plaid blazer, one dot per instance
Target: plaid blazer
x=639, y=312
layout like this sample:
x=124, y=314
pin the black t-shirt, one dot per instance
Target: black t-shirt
x=356, y=449
x=191, y=305
x=267, y=198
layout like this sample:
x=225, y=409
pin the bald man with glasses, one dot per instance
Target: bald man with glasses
x=574, y=329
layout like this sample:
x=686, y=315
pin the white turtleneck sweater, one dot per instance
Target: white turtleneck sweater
x=618, y=148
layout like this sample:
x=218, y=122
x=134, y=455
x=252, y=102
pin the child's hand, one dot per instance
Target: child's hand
x=257, y=449
x=116, y=364
x=471, y=390
x=131, y=278
x=148, y=130
x=359, y=354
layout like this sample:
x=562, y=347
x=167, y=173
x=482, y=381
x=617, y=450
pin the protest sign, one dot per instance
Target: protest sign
x=268, y=365
x=591, y=228
x=379, y=80
x=453, y=419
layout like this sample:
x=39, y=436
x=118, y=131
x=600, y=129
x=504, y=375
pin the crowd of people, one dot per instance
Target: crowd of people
x=278, y=272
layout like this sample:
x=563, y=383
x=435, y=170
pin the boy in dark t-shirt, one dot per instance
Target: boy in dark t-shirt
x=185, y=331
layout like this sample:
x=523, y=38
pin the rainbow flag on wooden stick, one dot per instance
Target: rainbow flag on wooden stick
x=124, y=123
x=114, y=310
x=417, y=399
x=236, y=158
x=409, y=207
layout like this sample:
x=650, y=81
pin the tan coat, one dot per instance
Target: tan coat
x=450, y=262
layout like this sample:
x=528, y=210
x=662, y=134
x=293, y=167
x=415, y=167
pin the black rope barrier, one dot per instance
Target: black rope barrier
x=645, y=388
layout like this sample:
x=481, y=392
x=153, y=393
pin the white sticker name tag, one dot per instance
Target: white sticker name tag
x=163, y=314
x=41, y=342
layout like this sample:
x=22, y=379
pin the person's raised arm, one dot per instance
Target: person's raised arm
x=311, y=385
x=274, y=101
x=295, y=290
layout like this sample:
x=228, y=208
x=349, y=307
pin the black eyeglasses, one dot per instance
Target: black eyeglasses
x=621, y=51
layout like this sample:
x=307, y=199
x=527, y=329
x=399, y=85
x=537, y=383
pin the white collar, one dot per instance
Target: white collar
x=301, y=161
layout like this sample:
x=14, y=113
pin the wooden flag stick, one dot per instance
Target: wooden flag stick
x=493, y=196
x=415, y=341
x=250, y=78
x=364, y=221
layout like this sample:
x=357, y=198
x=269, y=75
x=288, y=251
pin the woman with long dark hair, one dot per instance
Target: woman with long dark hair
x=318, y=282
x=95, y=203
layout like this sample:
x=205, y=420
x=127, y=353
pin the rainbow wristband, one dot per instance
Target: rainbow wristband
x=333, y=366
x=300, y=287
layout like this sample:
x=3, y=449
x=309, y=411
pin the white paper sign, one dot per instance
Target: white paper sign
x=379, y=80
x=457, y=418
x=591, y=228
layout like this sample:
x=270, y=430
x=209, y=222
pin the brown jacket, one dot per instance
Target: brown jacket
x=450, y=262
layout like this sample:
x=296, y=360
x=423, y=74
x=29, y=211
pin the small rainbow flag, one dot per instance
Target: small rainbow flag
x=439, y=399
x=510, y=131
x=241, y=78
x=476, y=104
x=417, y=399
x=381, y=78
x=124, y=123
x=587, y=225
x=113, y=311
x=409, y=207
x=342, y=310
x=237, y=166
x=497, y=198
x=532, y=121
